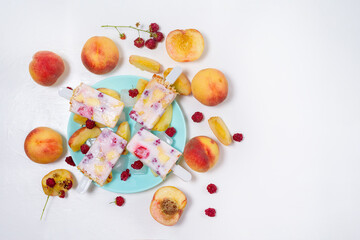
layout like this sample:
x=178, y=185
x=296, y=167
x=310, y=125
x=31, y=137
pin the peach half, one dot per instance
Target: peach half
x=43, y=145
x=209, y=86
x=100, y=55
x=168, y=205
x=63, y=182
x=201, y=153
x=46, y=67
x=184, y=45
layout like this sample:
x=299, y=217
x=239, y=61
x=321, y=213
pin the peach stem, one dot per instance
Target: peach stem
x=138, y=29
x=44, y=207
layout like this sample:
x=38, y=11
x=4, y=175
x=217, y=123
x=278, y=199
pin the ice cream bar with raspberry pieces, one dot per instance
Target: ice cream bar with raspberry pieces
x=155, y=98
x=102, y=156
x=153, y=152
x=95, y=105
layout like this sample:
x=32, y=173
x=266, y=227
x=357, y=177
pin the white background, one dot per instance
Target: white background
x=293, y=72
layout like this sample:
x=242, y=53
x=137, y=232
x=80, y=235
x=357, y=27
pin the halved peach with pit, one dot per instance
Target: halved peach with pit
x=185, y=45
x=168, y=205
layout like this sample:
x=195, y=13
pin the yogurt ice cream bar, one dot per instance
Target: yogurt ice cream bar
x=95, y=105
x=153, y=152
x=102, y=156
x=152, y=103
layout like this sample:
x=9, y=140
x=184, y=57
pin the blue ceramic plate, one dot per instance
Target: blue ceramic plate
x=143, y=179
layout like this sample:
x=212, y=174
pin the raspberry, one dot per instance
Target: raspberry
x=141, y=152
x=133, y=92
x=211, y=212
x=69, y=88
x=119, y=201
x=139, y=42
x=50, y=182
x=170, y=131
x=154, y=27
x=84, y=148
x=137, y=165
x=122, y=36
x=69, y=161
x=211, y=188
x=125, y=175
x=150, y=43
x=158, y=36
x=61, y=194
x=238, y=137
x=67, y=184
x=90, y=124
x=197, y=117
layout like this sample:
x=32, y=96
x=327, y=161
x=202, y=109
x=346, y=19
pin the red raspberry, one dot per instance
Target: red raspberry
x=50, y=182
x=125, y=175
x=61, y=194
x=137, y=164
x=90, y=124
x=238, y=137
x=68, y=184
x=119, y=201
x=150, y=43
x=197, y=117
x=122, y=36
x=142, y=152
x=211, y=188
x=84, y=148
x=170, y=131
x=69, y=88
x=139, y=42
x=154, y=27
x=69, y=160
x=133, y=92
x=158, y=36
x=211, y=212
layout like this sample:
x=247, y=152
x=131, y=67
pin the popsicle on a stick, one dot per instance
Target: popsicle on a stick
x=153, y=152
x=102, y=156
x=156, y=97
x=95, y=105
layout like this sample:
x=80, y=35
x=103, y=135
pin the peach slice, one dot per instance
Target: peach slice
x=81, y=135
x=110, y=92
x=62, y=179
x=82, y=121
x=220, y=130
x=201, y=153
x=145, y=64
x=109, y=179
x=165, y=120
x=182, y=83
x=168, y=205
x=141, y=85
x=185, y=45
x=43, y=145
x=124, y=132
x=209, y=86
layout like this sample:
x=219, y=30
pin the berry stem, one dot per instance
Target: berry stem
x=138, y=29
x=47, y=199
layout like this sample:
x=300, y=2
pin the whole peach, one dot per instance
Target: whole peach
x=100, y=55
x=201, y=153
x=46, y=67
x=209, y=86
x=43, y=145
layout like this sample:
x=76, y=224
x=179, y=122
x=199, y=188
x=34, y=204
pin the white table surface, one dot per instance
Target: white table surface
x=293, y=72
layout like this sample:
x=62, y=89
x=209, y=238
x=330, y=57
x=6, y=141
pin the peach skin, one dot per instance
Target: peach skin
x=43, y=145
x=46, y=67
x=100, y=55
x=201, y=153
